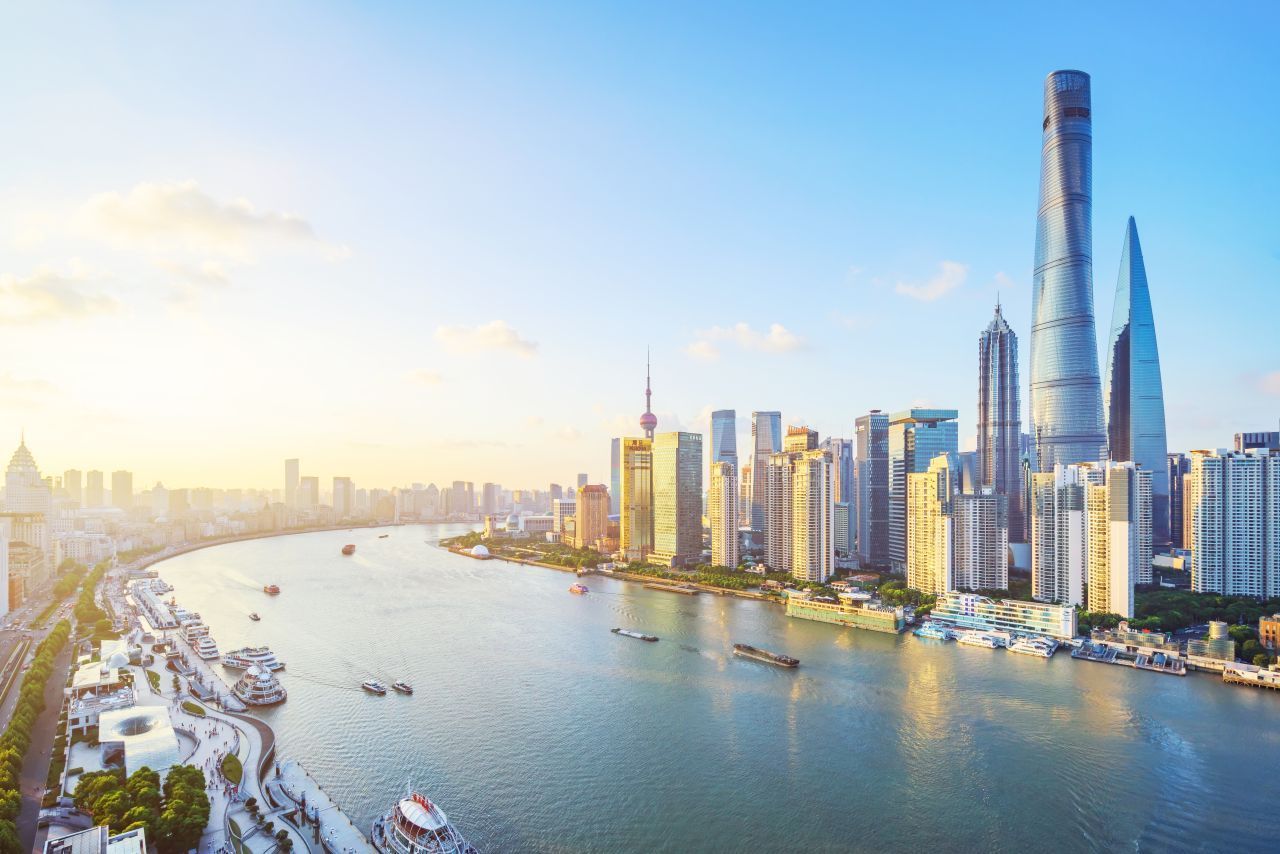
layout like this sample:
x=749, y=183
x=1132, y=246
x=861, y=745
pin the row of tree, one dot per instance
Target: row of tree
x=87, y=611
x=17, y=735
x=174, y=815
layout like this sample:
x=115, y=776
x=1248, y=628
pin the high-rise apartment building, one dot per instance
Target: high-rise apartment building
x=1066, y=394
x=291, y=481
x=916, y=436
x=72, y=486
x=591, y=519
x=766, y=440
x=308, y=493
x=677, y=498
x=722, y=514
x=1060, y=533
x=777, y=504
x=980, y=541
x=812, y=516
x=928, y=504
x=744, y=496
x=122, y=489
x=1133, y=395
x=635, y=520
x=871, y=489
x=344, y=497
x=1119, y=537
x=1233, y=522
x=1176, y=468
x=843, y=527
x=95, y=494
x=615, y=475
x=1000, y=419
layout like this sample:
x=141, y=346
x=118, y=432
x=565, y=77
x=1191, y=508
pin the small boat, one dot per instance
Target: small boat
x=764, y=655
x=349, y=549
x=254, y=616
x=373, y=686
x=271, y=589
x=579, y=589
x=402, y=686
x=243, y=659
x=383, y=536
x=933, y=631
x=1040, y=647
x=637, y=635
x=982, y=639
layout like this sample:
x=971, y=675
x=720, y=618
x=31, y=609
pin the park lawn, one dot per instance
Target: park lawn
x=232, y=769
x=193, y=708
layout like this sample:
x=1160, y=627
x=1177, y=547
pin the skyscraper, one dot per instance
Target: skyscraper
x=928, y=505
x=582, y=479
x=1176, y=468
x=1059, y=532
x=1119, y=537
x=122, y=489
x=308, y=493
x=1132, y=393
x=766, y=440
x=677, y=498
x=724, y=437
x=615, y=475
x=1266, y=440
x=24, y=490
x=648, y=421
x=344, y=497
x=722, y=514
x=841, y=451
x=635, y=519
x=71, y=484
x=1066, y=395
x=94, y=494
x=800, y=514
x=871, y=495
x=591, y=519
x=1000, y=419
x=980, y=541
x=916, y=436
x=291, y=479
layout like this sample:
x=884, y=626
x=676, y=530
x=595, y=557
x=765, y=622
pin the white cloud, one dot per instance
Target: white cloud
x=778, y=339
x=951, y=275
x=1270, y=384
x=207, y=274
x=49, y=294
x=495, y=335
x=423, y=376
x=154, y=214
x=569, y=434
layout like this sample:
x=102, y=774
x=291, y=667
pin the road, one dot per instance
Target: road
x=35, y=765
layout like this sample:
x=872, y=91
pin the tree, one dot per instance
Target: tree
x=9, y=841
x=1262, y=659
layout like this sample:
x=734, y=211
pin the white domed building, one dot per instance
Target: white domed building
x=480, y=552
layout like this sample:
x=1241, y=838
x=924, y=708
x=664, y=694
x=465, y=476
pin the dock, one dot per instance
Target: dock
x=1235, y=675
x=674, y=588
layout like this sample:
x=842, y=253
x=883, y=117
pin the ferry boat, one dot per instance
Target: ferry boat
x=349, y=549
x=206, y=648
x=932, y=630
x=1042, y=647
x=383, y=536
x=259, y=687
x=415, y=825
x=579, y=589
x=764, y=655
x=402, y=686
x=982, y=639
x=637, y=635
x=271, y=589
x=373, y=686
x=254, y=616
x=243, y=659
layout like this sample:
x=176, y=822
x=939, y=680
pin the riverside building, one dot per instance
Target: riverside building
x=916, y=436
x=800, y=524
x=971, y=611
x=928, y=518
x=870, y=511
x=1059, y=533
x=722, y=514
x=677, y=498
x=635, y=520
x=1119, y=537
x=856, y=611
x=1233, y=522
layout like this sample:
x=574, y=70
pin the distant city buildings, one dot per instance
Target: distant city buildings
x=122, y=490
x=292, y=481
x=722, y=514
x=94, y=493
x=677, y=498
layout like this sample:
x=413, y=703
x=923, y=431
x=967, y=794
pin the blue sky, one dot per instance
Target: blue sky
x=426, y=242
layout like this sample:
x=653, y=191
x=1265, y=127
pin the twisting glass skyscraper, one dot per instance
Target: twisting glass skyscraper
x=1066, y=395
x=1133, y=392
x=1000, y=419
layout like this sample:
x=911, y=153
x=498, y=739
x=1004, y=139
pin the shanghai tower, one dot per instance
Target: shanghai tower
x=1066, y=395
x=1134, y=393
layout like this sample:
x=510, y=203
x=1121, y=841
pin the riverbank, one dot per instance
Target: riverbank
x=148, y=561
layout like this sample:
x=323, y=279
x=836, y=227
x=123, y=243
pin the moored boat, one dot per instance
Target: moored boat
x=982, y=639
x=415, y=825
x=259, y=687
x=1040, y=647
x=748, y=651
x=579, y=589
x=242, y=659
x=373, y=686
x=933, y=631
x=637, y=635
x=206, y=648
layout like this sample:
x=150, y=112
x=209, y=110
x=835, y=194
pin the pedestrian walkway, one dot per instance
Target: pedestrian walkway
x=328, y=824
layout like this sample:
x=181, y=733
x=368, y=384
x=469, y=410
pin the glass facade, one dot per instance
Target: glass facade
x=970, y=611
x=766, y=440
x=916, y=436
x=1132, y=389
x=677, y=498
x=871, y=490
x=635, y=520
x=1066, y=394
x=1000, y=420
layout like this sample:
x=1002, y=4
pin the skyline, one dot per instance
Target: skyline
x=656, y=205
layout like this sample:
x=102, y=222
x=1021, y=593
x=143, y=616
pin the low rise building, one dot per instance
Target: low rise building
x=1269, y=632
x=1126, y=640
x=98, y=840
x=971, y=611
x=855, y=610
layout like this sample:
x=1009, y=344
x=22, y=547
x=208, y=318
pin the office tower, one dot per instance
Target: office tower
x=490, y=498
x=812, y=516
x=564, y=514
x=94, y=494
x=799, y=439
x=766, y=440
x=724, y=437
x=1059, y=532
x=916, y=436
x=635, y=514
x=1119, y=537
x=582, y=479
x=72, y=486
x=615, y=475
x=871, y=476
x=1233, y=523
x=1000, y=419
x=591, y=518
x=344, y=497
x=291, y=481
x=841, y=451
x=843, y=526
x=1133, y=396
x=25, y=491
x=1066, y=395
x=928, y=505
x=308, y=492
x=648, y=421
x=1176, y=468
x=677, y=498
x=122, y=489
x=967, y=470
x=980, y=541
x=1266, y=440
x=722, y=514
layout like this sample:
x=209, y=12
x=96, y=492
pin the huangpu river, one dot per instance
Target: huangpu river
x=536, y=729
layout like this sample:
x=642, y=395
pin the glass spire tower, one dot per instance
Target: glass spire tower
x=1066, y=395
x=1133, y=392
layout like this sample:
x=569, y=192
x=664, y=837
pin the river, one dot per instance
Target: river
x=536, y=729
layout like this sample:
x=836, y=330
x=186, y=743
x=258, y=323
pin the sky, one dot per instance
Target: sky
x=427, y=242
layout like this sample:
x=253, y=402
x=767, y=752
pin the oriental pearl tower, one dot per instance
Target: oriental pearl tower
x=648, y=420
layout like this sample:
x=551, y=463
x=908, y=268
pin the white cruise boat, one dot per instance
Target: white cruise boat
x=194, y=631
x=206, y=648
x=1042, y=647
x=243, y=659
x=417, y=826
x=982, y=639
x=259, y=687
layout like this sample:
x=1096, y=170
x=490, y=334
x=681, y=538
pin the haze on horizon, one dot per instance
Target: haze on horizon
x=425, y=244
